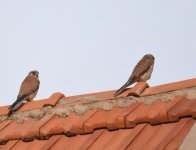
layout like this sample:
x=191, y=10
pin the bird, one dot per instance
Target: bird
x=141, y=73
x=28, y=90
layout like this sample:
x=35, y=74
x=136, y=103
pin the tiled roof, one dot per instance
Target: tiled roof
x=157, y=117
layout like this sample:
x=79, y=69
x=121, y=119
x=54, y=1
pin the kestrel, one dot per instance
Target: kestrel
x=28, y=91
x=141, y=73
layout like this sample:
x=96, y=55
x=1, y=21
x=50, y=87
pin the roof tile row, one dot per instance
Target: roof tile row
x=95, y=119
x=164, y=136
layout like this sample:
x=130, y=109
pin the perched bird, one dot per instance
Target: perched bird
x=141, y=72
x=28, y=91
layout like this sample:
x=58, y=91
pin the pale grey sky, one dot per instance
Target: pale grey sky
x=91, y=46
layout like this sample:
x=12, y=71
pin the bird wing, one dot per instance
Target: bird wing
x=29, y=86
x=142, y=66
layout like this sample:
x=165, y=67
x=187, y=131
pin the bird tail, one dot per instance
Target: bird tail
x=10, y=113
x=119, y=91
x=123, y=88
x=16, y=105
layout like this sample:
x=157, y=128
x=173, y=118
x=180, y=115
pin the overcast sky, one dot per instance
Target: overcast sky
x=91, y=46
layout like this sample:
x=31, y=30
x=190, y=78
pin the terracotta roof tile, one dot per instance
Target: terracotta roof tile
x=54, y=98
x=21, y=145
x=123, y=138
x=9, y=145
x=136, y=90
x=80, y=141
x=158, y=137
x=189, y=141
x=179, y=136
x=27, y=130
x=77, y=142
x=144, y=136
x=36, y=144
x=71, y=125
x=3, y=110
x=166, y=133
x=111, y=120
x=154, y=114
x=4, y=124
x=102, y=141
x=92, y=138
x=182, y=109
x=62, y=143
x=169, y=87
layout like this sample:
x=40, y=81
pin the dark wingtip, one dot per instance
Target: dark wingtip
x=10, y=113
x=122, y=89
x=118, y=92
x=115, y=95
x=16, y=105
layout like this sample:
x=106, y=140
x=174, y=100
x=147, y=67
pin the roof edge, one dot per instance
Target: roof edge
x=169, y=87
x=147, y=91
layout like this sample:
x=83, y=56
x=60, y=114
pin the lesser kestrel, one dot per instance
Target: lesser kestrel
x=28, y=91
x=141, y=73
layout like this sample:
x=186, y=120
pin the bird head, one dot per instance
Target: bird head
x=34, y=73
x=149, y=56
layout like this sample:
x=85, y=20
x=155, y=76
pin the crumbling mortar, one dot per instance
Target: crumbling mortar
x=81, y=109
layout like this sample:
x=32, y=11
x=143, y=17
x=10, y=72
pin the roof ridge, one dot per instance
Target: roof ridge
x=141, y=89
x=181, y=85
x=81, y=107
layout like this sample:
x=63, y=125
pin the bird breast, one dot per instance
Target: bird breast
x=146, y=76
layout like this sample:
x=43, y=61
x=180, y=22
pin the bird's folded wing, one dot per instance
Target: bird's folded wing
x=142, y=66
x=29, y=85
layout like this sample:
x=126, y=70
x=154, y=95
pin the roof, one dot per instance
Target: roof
x=160, y=117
